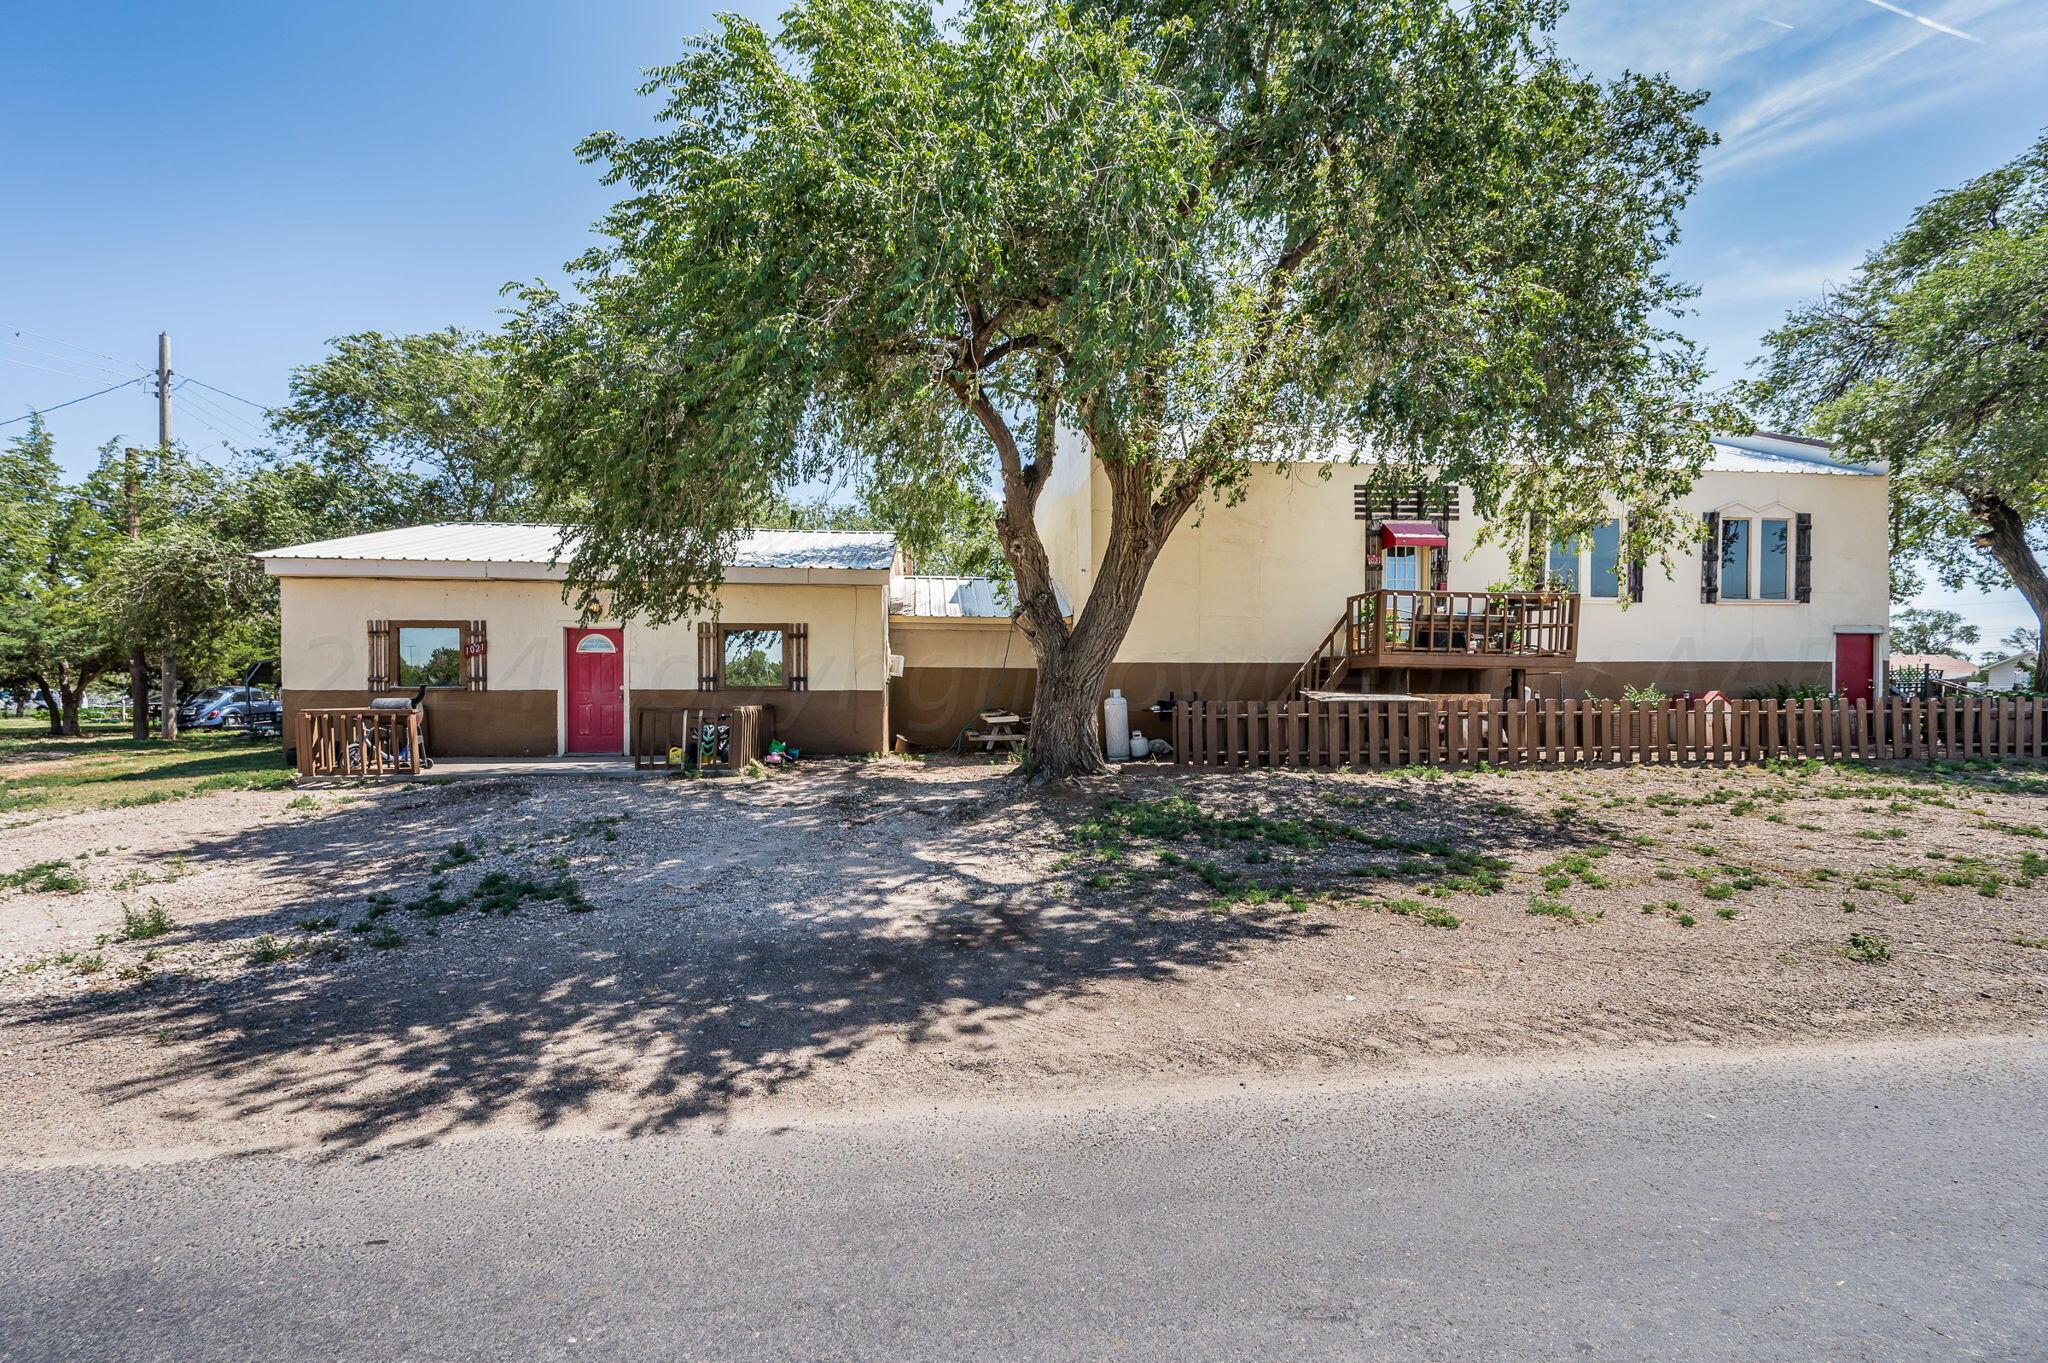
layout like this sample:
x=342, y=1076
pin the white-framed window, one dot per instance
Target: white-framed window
x=1592, y=565
x=1757, y=557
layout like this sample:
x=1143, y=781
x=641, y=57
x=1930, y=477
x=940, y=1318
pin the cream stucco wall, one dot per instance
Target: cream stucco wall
x=1262, y=581
x=326, y=642
x=1063, y=516
x=960, y=643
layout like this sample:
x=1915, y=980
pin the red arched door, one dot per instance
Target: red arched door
x=597, y=690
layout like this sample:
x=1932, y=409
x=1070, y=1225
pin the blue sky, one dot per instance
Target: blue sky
x=257, y=178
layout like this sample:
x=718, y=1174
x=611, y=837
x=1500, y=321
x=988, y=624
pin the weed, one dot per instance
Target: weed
x=1430, y=914
x=89, y=965
x=140, y=927
x=1686, y=920
x=1545, y=907
x=318, y=924
x=302, y=802
x=1726, y=913
x=2037, y=943
x=268, y=950
x=1718, y=890
x=456, y=854
x=384, y=939
x=1865, y=946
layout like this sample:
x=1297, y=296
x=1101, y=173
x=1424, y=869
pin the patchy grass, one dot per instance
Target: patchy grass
x=104, y=768
x=45, y=877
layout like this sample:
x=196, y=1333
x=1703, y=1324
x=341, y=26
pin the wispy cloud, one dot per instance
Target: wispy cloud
x=1792, y=77
x=1937, y=26
x=1743, y=278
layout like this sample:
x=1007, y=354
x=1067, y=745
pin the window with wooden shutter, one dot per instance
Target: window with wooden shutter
x=1635, y=580
x=797, y=657
x=1802, y=558
x=476, y=652
x=379, y=678
x=1710, y=560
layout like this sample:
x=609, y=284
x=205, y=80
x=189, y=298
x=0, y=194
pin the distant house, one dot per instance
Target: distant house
x=2010, y=674
x=1944, y=666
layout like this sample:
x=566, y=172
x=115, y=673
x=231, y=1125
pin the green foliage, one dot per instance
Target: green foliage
x=1866, y=946
x=913, y=254
x=1915, y=630
x=421, y=422
x=140, y=927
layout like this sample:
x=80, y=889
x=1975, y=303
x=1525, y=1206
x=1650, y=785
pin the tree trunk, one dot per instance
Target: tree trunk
x=51, y=708
x=138, y=692
x=167, y=725
x=73, y=696
x=2006, y=539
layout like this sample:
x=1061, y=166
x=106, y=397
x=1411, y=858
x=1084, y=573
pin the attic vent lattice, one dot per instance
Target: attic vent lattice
x=1415, y=504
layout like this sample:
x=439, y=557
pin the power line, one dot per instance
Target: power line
x=207, y=407
x=39, y=411
x=31, y=364
x=226, y=394
x=61, y=359
x=73, y=345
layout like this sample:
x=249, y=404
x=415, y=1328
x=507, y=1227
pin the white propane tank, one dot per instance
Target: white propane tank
x=1116, y=726
x=1140, y=745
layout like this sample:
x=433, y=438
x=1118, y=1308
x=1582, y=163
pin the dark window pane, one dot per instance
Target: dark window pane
x=753, y=657
x=1735, y=560
x=1606, y=560
x=429, y=655
x=1776, y=547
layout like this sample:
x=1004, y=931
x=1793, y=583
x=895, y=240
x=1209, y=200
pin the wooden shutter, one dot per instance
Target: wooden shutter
x=381, y=677
x=1802, y=549
x=707, y=656
x=796, y=657
x=475, y=657
x=1635, y=580
x=1710, y=560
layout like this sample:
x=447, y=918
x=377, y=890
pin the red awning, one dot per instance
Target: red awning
x=1411, y=532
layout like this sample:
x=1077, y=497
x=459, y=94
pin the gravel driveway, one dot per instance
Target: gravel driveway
x=337, y=971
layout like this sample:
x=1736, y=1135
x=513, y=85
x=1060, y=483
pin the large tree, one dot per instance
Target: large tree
x=1933, y=360
x=1196, y=234
x=414, y=424
x=1931, y=631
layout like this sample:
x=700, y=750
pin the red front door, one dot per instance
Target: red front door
x=597, y=690
x=1856, y=666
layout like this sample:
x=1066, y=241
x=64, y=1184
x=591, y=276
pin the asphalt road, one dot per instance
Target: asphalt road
x=1883, y=1204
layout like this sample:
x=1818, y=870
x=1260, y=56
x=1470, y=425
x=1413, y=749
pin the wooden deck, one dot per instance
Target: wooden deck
x=1444, y=629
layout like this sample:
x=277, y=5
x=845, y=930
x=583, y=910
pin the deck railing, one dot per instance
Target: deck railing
x=697, y=736
x=1463, y=732
x=1479, y=626
x=359, y=741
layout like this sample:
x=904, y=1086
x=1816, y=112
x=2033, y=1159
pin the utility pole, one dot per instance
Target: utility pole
x=168, y=685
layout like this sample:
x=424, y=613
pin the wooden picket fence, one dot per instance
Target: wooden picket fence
x=1460, y=732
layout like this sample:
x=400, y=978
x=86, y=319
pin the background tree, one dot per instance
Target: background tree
x=53, y=637
x=1930, y=631
x=411, y=427
x=182, y=586
x=1934, y=361
x=1198, y=235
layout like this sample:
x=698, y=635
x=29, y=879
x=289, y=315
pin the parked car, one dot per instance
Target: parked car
x=237, y=707
x=196, y=704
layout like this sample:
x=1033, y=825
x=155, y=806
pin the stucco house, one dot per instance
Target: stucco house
x=1318, y=579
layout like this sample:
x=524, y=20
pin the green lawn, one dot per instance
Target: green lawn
x=104, y=768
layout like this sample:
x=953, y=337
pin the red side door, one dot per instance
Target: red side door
x=1856, y=666
x=597, y=690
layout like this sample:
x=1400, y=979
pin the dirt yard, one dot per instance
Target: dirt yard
x=341, y=970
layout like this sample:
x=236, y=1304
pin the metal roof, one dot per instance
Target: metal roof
x=527, y=543
x=928, y=596
x=934, y=597
x=1768, y=452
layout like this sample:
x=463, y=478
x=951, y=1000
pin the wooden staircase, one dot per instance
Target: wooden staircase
x=1393, y=631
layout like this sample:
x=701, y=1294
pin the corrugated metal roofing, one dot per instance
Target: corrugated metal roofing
x=500, y=542
x=933, y=597
x=929, y=596
x=1781, y=454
